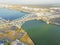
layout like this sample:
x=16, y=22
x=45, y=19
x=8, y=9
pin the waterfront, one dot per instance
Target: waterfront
x=40, y=32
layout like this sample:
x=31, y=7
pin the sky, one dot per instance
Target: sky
x=30, y=1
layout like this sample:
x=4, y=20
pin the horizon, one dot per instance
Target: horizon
x=31, y=2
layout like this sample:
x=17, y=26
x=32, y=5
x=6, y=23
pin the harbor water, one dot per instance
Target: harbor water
x=40, y=32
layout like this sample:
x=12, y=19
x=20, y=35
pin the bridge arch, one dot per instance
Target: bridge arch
x=20, y=21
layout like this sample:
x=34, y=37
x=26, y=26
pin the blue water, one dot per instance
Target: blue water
x=40, y=32
x=11, y=14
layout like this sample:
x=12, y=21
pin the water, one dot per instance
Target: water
x=11, y=14
x=40, y=32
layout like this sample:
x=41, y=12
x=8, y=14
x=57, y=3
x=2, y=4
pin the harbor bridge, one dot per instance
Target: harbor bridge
x=34, y=14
